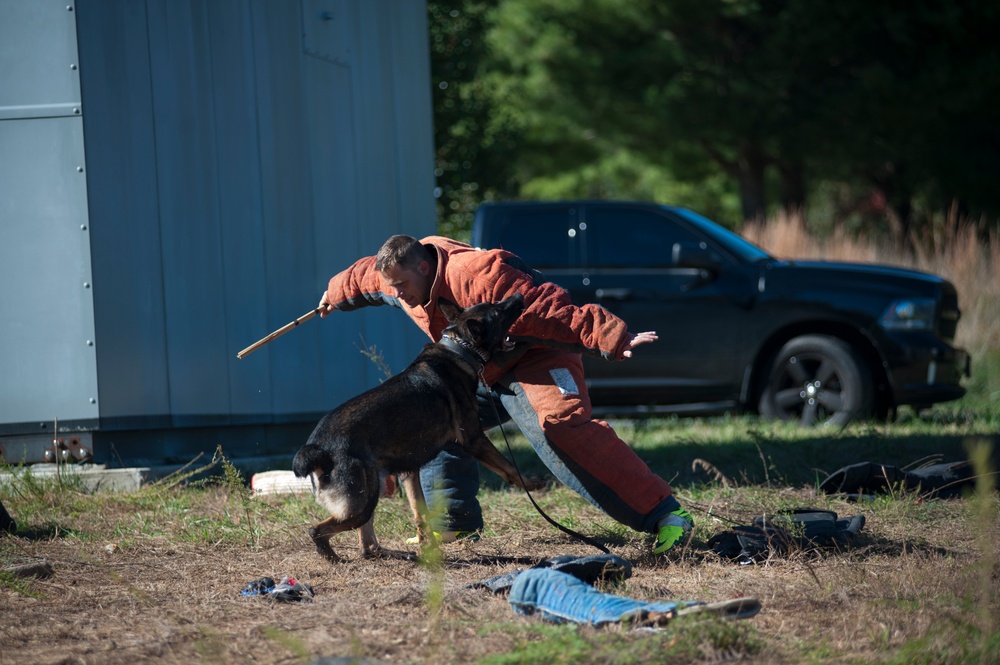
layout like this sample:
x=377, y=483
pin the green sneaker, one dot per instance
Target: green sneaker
x=675, y=528
x=448, y=537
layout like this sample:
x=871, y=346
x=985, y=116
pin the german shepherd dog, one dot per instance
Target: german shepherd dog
x=402, y=424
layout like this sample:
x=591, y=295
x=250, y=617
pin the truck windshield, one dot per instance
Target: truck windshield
x=731, y=241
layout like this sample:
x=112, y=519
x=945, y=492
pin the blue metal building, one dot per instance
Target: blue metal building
x=178, y=178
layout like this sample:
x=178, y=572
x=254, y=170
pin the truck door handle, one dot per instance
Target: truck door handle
x=613, y=294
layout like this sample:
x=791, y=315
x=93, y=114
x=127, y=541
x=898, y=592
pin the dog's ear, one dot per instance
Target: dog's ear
x=450, y=309
x=475, y=328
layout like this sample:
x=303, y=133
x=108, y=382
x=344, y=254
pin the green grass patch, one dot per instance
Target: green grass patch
x=685, y=640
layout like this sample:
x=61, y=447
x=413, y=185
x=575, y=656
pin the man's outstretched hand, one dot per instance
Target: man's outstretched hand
x=636, y=339
x=324, y=307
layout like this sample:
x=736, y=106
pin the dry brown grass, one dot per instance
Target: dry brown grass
x=163, y=596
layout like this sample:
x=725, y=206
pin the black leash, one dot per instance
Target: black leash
x=711, y=513
x=564, y=529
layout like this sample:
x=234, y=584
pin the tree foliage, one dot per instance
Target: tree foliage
x=473, y=141
x=696, y=102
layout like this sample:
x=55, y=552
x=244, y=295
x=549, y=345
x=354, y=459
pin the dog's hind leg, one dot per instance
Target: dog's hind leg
x=370, y=548
x=321, y=534
x=331, y=526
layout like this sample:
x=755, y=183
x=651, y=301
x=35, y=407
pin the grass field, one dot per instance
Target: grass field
x=154, y=576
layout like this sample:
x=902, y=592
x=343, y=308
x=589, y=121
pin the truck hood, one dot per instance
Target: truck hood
x=864, y=277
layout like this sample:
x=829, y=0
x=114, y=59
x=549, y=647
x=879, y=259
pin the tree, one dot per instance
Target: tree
x=686, y=85
x=912, y=115
x=472, y=141
x=777, y=94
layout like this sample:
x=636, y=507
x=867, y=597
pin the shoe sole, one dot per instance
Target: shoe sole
x=737, y=608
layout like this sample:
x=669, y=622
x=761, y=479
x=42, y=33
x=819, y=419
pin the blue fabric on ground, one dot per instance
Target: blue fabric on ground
x=559, y=597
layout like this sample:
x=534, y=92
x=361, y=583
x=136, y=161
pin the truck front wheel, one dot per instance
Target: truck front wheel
x=817, y=380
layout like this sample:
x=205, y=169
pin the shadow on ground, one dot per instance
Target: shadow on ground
x=756, y=460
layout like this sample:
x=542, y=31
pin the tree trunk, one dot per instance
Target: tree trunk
x=898, y=212
x=793, y=187
x=750, y=174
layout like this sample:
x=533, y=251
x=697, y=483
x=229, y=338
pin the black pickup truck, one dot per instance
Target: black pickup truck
x=817, y=342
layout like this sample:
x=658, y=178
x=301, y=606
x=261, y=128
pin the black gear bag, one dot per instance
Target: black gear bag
x=784, y=532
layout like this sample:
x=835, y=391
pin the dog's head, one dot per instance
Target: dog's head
x=483, y=327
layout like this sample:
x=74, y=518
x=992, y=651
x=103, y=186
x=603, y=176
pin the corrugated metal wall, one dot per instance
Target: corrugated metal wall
x=47, y=358
x=237, y=154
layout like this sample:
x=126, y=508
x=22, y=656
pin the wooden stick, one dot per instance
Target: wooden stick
x=277, y=333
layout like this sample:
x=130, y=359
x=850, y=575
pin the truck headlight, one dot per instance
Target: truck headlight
x=909, y=314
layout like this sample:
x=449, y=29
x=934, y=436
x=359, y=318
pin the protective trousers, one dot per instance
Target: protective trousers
x=544, y=394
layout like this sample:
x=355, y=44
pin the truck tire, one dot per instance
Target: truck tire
x=817, y=380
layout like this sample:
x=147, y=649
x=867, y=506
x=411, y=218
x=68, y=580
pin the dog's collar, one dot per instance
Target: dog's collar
x=468, y=353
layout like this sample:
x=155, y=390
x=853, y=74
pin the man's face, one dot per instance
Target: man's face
x=412, y=286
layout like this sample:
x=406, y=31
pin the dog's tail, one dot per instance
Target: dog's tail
x=310, y=458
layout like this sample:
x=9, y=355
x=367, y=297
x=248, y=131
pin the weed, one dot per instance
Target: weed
x=211, y=645
x=285, y=639
x=186, y=473
x=685, y=640
x=21, y=585
x=377, y=358
x=984, y=518
x=237, y=487
x=544, y=644
x=432, y=559
x=950, y=643
x=40, y=487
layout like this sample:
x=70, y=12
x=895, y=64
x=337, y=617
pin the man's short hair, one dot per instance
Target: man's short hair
x=400, y=250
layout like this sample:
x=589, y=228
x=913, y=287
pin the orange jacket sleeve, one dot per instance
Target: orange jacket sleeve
x=360, y=285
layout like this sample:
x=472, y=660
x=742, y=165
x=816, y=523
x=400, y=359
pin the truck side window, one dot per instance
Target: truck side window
x=542, y=238
x=632, y=238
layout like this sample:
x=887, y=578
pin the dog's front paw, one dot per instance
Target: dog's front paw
x=325, y=551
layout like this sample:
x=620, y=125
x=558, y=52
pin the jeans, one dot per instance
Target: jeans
x=560, y=598
x=451, y=481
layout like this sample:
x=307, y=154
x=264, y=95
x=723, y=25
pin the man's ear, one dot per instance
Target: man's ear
x=450, y=309
x=424, y=268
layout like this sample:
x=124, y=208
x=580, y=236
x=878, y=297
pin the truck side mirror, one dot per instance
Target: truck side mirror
x=695, y=255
